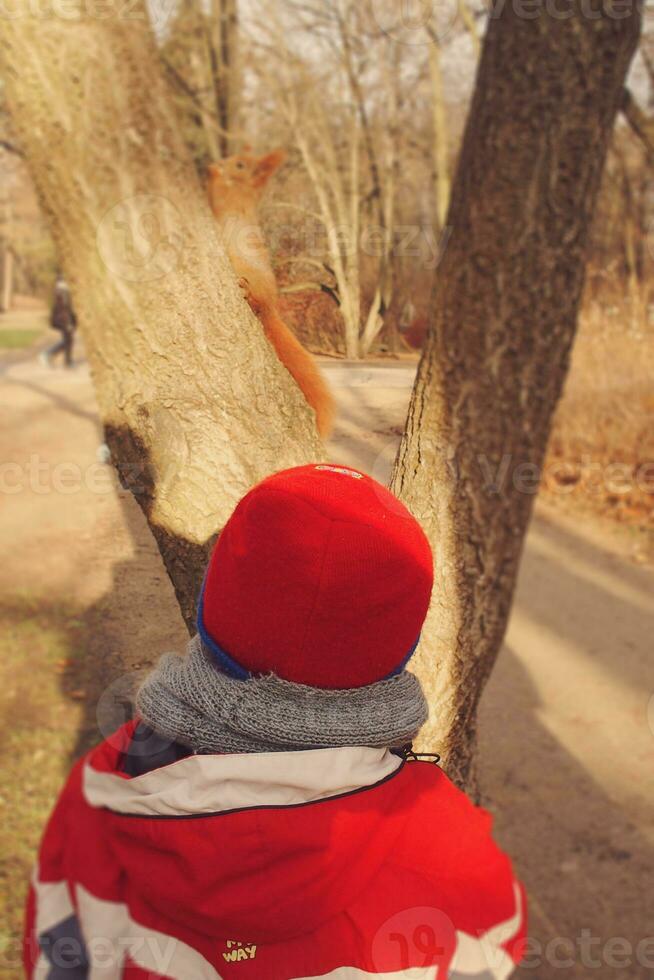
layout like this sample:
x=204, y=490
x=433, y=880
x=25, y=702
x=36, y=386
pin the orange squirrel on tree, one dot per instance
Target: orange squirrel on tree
x=236, y=185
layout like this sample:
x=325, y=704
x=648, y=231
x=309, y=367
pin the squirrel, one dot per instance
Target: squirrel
x=236, y=185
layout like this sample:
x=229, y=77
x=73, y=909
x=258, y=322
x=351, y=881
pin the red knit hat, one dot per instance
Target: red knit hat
x=320, y=576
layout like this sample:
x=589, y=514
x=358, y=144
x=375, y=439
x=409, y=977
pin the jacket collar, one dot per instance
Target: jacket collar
x=211, y=784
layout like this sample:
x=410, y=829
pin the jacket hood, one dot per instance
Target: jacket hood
x=260, y=847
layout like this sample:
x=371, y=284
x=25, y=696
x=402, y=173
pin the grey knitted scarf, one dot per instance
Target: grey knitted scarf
x=189, y=700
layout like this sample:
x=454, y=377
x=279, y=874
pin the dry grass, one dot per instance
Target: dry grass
x=18, y=339
x=39, y=647
x=21, y=328
x=602, y=444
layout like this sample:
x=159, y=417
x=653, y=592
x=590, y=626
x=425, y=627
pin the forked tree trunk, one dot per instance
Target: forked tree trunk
x=503, y=321
x=195, y=404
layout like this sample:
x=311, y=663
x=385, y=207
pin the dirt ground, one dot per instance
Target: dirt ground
x=566, y=745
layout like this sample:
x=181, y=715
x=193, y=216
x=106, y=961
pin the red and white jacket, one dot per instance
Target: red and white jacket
x=342, y=863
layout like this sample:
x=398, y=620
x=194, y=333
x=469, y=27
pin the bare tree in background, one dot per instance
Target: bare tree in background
x=7, y=257
x=223, y=42
x=328, y=114
x=201, y=56
x=631, y=184
x=185, y=57
x=441, y=141
x=441, y=149
x=6, y=274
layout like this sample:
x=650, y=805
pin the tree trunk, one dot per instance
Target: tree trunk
x=195, y=405
x=6, y=277
x=503, y=320
x=223, y=53
x=640, y=122
x=441, y=150
x=470, y=24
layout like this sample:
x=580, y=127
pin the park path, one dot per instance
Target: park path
x=566, y=746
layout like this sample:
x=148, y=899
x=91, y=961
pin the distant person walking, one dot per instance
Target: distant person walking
x=63, y=319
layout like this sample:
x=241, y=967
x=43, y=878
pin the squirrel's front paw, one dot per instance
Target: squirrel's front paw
x=244, y=286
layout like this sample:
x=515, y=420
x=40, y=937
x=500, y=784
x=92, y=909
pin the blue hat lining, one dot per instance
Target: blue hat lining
x=232, y=668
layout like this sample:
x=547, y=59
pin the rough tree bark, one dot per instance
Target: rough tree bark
x=195, y=405
x=503, y=320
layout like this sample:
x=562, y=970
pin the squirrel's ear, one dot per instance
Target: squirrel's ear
x=266, y=166
x=214, y=171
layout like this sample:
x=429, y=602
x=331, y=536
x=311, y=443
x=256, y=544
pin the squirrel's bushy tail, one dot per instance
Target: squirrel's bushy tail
x=301, y=365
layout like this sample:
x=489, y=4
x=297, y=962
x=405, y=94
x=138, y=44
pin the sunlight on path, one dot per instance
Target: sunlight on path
x=601, y=575
x=580, y=699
